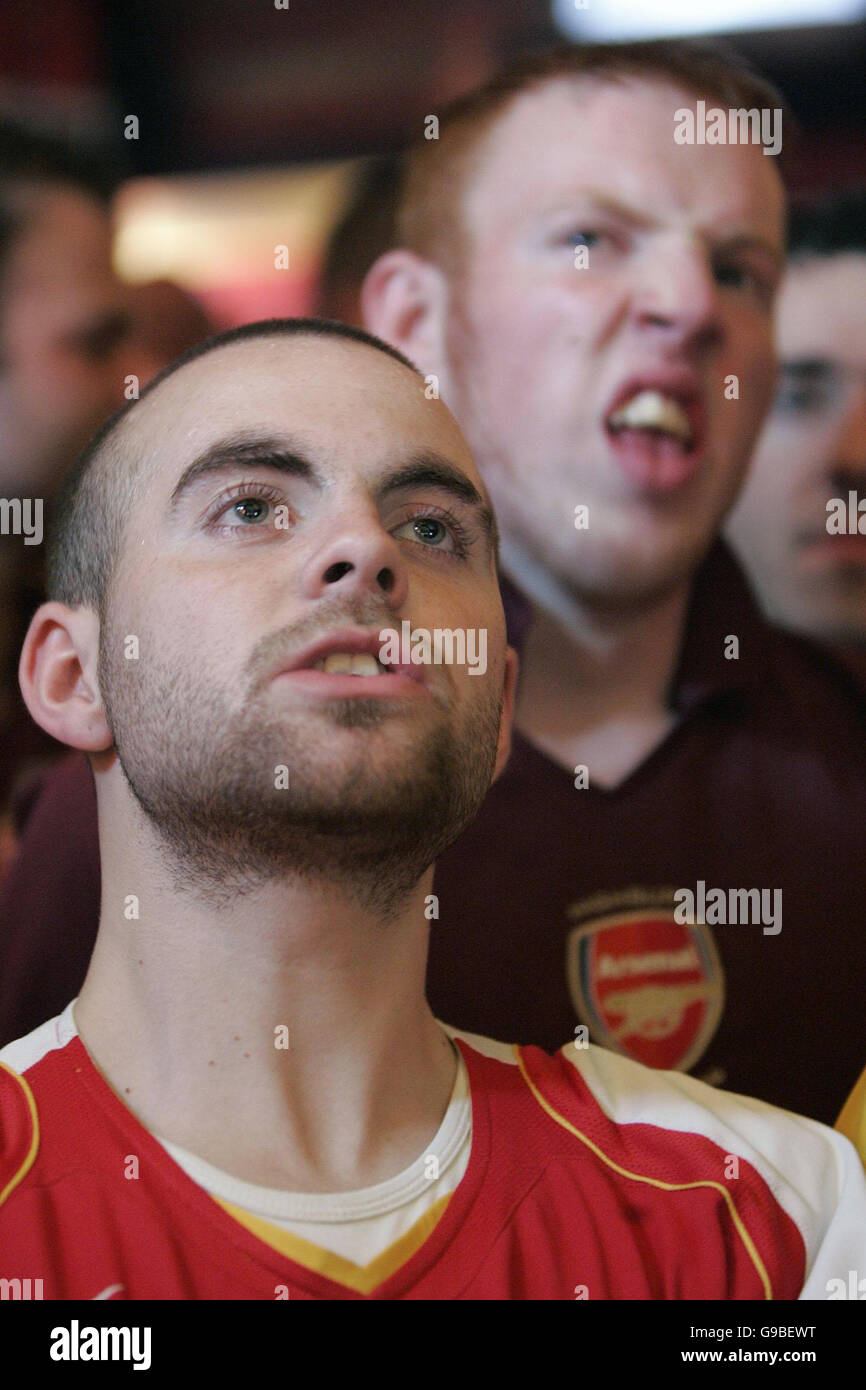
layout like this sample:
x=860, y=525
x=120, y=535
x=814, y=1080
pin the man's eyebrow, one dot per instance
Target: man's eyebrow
x=586, y=201
x=246, y=451
x=425, y=469
x=429, y=469
x=583, y=202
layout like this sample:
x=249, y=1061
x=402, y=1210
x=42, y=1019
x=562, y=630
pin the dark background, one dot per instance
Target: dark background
x=223, y=83
x=253, y=120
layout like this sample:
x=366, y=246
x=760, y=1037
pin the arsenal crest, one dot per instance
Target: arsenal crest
x=645, y=984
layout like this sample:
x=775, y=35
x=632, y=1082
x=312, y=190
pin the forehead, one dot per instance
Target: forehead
x=572, y=134
x=351, y=405
x=820, y=308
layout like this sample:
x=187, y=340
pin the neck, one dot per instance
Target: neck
x=283, y=1037
x=595, y=677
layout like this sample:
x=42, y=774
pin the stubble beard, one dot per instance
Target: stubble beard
x=207, y=776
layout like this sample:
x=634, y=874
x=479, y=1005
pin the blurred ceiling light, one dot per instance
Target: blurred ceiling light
x=201, y=230
x=601, y=20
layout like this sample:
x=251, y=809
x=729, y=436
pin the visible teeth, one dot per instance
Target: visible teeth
x=350, y=664
x=338, y=662
x=363, y=664
x=652, y=410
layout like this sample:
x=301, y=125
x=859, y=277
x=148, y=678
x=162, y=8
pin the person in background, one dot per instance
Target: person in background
x=794, y=526
x=363, y=232
x=167, y=320
x=64, y=321
x=64, y=314
x=673, y=857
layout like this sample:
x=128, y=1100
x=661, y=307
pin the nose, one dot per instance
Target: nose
x=359, y=559
x=677, y=300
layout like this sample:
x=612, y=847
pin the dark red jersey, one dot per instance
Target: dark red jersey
x=560, y=904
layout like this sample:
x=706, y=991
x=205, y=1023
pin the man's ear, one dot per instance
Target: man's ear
x=57, y=675
x=403, y=301
x=506, y=719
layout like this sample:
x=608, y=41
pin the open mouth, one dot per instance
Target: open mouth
x=656, y=413
x=338, y=663
x=656, y=433
x=351, y=664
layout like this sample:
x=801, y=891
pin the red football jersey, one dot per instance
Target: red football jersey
x=589, y=1176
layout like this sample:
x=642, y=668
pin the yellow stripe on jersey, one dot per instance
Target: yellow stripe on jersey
x=653, y=1182
x=359, y=1278
x=30, y=1157
x=852, y=1121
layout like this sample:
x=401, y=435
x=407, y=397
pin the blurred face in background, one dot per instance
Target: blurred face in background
x=63, y=324
x=603, y=384
x=813, y=449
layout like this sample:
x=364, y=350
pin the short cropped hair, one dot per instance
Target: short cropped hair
x=829, y=226
x=436, y=172
x=98, y=492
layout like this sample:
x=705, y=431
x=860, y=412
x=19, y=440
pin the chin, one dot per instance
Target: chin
x=637, y=570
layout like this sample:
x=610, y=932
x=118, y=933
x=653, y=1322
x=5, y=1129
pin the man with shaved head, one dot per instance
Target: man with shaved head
x=685, y=804
x=250, y=1097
